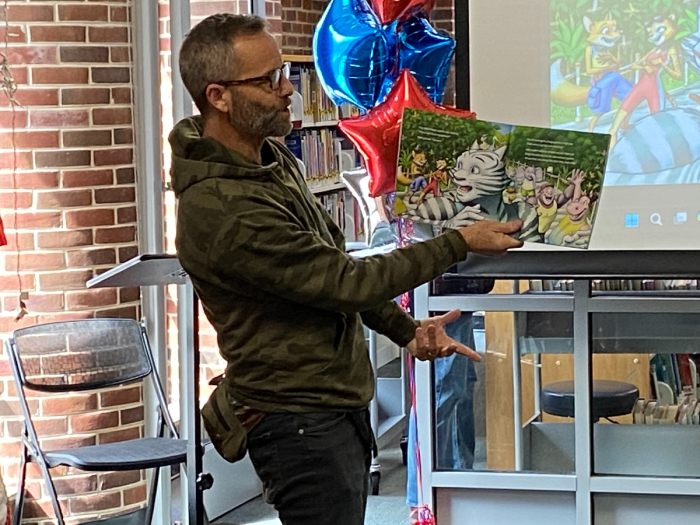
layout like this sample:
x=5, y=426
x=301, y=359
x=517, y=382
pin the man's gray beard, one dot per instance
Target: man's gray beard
x=258, y=121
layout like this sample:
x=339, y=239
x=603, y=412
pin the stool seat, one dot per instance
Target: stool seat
x=610, y=398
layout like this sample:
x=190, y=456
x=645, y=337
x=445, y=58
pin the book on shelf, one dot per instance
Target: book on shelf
x=674, y=377
x=323, y=154
x=315, y=106
x=650, y=412
x=345, y=212
x=615, y=285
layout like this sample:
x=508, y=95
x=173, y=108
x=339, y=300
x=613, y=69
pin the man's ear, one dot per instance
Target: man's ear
x=218, y=97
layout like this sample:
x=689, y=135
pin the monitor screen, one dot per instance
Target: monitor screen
x=627, y=68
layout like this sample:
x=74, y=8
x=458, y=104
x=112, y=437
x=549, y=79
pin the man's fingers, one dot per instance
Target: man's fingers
x=515, y=243
x=420, y=339
x=451, y=346
x=448, y=351
x=508, y=227
x=507, y=244
x=432, y=342
x=450, y=317
x=470, y=353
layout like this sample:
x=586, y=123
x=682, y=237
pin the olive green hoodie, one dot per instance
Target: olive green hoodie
x=270, y=268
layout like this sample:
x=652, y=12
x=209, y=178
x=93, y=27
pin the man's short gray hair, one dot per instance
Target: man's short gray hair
x=207, y=56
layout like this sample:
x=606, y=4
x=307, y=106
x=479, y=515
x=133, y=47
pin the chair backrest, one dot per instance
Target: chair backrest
x=80, y=355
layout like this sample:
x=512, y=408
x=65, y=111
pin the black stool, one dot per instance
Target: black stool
x=610, y=399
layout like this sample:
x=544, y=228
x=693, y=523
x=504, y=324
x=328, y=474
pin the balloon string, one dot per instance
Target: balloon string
x=414, y=416
x=422, y=514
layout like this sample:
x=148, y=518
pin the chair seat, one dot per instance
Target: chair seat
x=126, y=455
x=610, y=398
x=135, y=517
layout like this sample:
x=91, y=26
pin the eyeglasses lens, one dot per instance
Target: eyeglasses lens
x=276, y=77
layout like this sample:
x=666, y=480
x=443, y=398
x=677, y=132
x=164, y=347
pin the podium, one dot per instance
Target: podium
x=162, y=270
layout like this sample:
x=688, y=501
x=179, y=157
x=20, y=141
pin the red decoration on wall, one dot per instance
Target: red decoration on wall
x=3, y=238
x=377, y=133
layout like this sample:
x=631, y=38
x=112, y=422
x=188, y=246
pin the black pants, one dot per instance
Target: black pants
x=314, y=467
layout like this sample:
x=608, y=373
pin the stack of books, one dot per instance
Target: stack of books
x=652, y=412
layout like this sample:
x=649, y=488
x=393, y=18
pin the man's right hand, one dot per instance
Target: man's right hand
x=491, y=238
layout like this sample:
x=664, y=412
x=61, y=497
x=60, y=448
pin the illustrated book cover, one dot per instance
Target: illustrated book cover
x=453, y=171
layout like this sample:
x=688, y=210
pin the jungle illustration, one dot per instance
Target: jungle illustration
x=631, y=68
x=454, y=171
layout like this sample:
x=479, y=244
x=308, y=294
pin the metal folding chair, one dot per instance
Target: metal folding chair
x=87, y=355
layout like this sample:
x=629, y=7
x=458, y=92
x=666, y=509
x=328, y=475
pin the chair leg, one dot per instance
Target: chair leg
x=152, y=496
x=51, y=489
x=160, y=425
x=19, y=498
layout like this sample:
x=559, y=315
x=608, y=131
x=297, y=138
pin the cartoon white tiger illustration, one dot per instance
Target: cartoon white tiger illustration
x=479, y=178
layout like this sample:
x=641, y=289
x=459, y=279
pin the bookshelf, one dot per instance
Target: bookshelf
x=318, y=142
x=327, y=189
x=329, y=124
x=303, y=59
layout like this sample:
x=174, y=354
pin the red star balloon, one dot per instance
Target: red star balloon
x=376, y=134
x=390, y=10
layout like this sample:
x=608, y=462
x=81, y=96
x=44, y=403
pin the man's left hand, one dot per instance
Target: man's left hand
x=431, y=342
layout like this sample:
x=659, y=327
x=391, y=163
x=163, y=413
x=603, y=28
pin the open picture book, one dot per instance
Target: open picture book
x=453, y=171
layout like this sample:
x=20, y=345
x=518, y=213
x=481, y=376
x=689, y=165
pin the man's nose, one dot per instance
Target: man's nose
x=286, y=87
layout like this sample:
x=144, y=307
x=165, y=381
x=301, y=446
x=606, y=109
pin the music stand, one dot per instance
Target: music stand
x=162, y=270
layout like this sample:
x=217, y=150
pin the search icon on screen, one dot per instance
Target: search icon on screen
x=655, y=219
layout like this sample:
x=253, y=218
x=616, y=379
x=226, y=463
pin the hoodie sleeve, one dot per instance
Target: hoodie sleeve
x=264, y=245
x=388, y=318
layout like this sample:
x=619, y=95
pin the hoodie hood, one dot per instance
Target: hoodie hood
x=196, y=158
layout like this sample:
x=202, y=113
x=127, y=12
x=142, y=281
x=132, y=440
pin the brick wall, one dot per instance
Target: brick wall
x=299, y=19
x=74, y=190
x=443, y=15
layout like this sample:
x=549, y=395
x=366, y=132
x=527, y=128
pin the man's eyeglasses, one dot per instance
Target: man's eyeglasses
x=274, y=78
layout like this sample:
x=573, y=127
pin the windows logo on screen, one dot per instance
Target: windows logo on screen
x=632, y=220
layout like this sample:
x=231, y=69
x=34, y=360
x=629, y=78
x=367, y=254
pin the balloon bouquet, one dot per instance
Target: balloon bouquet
x=383, y=58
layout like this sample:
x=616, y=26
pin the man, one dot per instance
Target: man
x=285, y=299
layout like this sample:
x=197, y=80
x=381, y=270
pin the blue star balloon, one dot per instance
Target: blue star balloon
x=425, y=52
x=351, y=53
x=393, y=70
